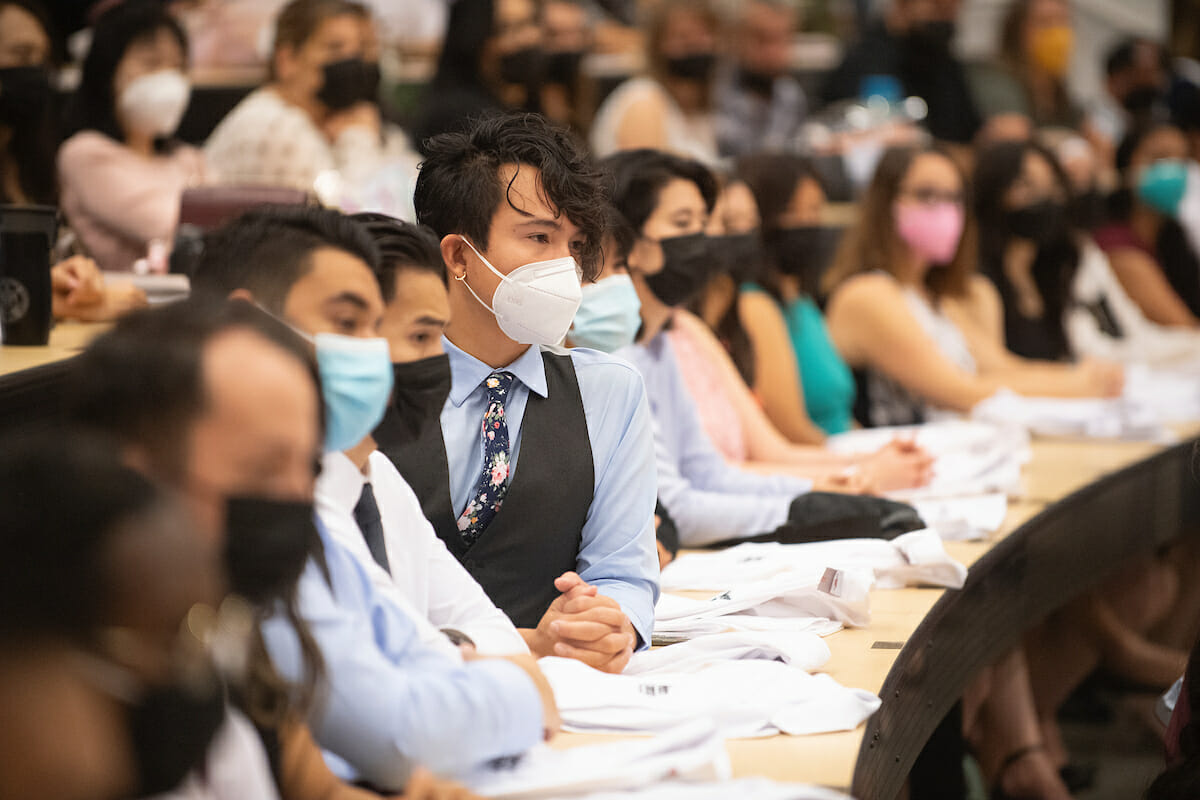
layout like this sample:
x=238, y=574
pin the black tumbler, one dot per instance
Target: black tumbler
x=27, y=234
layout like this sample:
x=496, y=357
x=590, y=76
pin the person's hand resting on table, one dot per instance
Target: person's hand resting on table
x=583, y=624
x=79, y=292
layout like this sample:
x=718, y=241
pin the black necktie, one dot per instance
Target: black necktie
x=366, y=514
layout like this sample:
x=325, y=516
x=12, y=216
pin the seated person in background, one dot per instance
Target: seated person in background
x=911, y=44
x=810, y=393
x=1027, y=80
x=391, y=698
x=28, y=123
x=564, y=91
x=491, y=59
x=316, y=125
x=245, y=469
x=732, y=414
x=1137, y=82
x=552, y=511
x=908, y=310
x=759, y=105
x=28, y=138
x=669, y=108
x=1102, y=320
x=665, y=200
x=1027, y=246
x=1146, y=245
x=121, y=174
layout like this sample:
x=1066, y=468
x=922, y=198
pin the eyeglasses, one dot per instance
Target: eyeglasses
x=927, y=195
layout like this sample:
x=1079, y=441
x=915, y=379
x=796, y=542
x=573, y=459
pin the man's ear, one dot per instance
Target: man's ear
x=454, y=253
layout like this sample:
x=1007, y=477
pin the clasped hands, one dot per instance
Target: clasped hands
x=583, y=624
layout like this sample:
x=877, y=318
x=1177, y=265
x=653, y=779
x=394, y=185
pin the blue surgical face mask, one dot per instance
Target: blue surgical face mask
x=1162, y=185
x=356, y=382
x=609, y=315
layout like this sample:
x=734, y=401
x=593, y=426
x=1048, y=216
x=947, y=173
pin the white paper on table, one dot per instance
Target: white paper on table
x=913, y=558
x=744, y=699
x=756, y=788
x=805, y=651
x=693, y=751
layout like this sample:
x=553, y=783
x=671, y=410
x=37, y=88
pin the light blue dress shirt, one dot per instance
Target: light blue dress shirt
x=709, y=499
x=388, y=701
x=617, y=553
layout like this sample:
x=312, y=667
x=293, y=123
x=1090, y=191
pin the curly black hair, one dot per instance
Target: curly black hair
x=459, y=187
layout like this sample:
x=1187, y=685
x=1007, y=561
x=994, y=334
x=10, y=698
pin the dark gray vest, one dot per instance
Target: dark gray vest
x=537, y=533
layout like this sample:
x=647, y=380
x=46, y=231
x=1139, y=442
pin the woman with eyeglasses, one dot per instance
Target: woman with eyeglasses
x=908, y=312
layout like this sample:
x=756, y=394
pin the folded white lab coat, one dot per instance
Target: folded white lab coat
x=743, y=698
x=913, y=558
x=970, y=457
x=794, y=595
x=756, y=788
x=1126, y=417
x=964, y=518
x=693, y=751
x=805, y=651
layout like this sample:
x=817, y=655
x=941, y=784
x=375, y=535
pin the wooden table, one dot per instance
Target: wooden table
x=1087, y=507
x=1082, y=498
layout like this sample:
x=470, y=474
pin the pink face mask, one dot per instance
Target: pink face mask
x=931, y=230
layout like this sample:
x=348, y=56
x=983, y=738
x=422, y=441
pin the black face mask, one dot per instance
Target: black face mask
x=1087, y=210
x=1142, y=100
x=930, y=38
x=170, y=729
x=525, y=67
x=267, y=543
x=757, y=82
x=739, y=254
x=1041, y=222
x=694, y=67
x=805, y=252
x=348, y=82
x=419, y=392
x=562, y=68
x=24, y=94
x=687, y=266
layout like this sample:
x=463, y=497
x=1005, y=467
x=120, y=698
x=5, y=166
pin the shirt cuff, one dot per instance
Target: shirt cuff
x=526, y=719
x=631, y=601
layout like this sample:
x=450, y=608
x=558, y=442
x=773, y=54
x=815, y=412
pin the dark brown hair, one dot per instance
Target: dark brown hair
x=656, y=28
x=873, y=243
x=299, y=20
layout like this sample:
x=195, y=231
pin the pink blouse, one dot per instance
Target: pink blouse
x=707, y=388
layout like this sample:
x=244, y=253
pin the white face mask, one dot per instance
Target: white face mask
x=154, y=104
x=535, y=303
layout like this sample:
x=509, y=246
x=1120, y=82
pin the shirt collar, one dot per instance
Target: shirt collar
x=340, y=480
x=468, y=372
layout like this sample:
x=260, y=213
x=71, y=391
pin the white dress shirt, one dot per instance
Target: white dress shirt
x=425, y=578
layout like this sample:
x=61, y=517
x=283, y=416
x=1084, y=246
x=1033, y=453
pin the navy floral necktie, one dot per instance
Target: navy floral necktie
x=489, y=492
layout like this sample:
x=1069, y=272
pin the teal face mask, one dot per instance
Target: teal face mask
x=609, y=315
x=356, y=382
x=1162, y=185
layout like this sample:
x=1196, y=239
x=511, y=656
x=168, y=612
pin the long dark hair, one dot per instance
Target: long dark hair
x=997, y=168
x=33, y=143
x=93, y=106
x=873, y=242
x=1174, y=254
